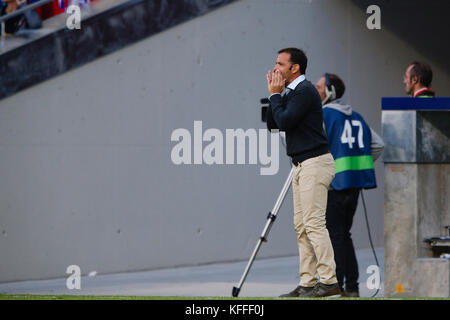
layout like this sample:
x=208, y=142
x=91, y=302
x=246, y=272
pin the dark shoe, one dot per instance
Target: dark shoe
x=299, y=292
x=326, y=290
x=350, y=294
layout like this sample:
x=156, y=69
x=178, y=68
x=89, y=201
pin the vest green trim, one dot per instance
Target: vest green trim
x=354, y=163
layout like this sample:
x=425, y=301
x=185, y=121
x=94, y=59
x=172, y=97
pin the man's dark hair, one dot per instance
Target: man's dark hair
x=338, y=84
x=297, y=57
x=423, y=72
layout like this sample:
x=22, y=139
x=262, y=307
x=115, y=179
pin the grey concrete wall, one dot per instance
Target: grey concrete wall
x=416, y=207
x=400, y=227
x=85, y=163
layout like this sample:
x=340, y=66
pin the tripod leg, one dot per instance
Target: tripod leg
x=263, y=238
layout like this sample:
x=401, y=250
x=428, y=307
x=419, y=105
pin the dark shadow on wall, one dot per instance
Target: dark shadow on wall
x=423, y=24
x=62, y=50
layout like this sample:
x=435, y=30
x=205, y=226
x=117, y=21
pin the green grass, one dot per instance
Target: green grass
x=87, y=297
x=97, y=297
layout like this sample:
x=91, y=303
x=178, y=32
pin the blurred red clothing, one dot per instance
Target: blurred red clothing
x=53, y=8
x=50, y=9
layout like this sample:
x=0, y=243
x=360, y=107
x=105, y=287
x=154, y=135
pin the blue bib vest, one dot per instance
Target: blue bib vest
x=350, y=144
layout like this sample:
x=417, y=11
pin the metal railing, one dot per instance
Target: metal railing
x=22, y=10
x=16, y=13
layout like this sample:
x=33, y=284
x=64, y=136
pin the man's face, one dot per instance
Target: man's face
x=409, y=81
x=283, y=64
x=320, y=86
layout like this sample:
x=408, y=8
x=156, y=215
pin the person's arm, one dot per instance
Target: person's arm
x=376, y=145
x=289, y=116
x=286, y=116
x=269, y=119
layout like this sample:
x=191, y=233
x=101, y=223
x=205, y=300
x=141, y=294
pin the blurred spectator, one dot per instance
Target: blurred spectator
x=28, y=20
x=51, y=9
x=59, y=6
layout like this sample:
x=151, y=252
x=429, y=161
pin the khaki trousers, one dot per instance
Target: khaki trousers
x=310, y=185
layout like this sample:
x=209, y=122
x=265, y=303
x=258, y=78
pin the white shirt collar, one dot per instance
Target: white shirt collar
x=295, y=83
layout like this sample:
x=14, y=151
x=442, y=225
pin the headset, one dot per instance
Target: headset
x=330, y=95
x=330, y=90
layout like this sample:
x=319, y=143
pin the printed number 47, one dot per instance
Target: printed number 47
x=347, y=136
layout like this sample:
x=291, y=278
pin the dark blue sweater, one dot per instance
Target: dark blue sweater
x=299, y=114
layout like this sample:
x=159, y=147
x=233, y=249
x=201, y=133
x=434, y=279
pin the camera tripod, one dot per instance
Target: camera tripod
x=263, y=238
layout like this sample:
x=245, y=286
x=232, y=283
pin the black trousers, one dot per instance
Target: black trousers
x=341, y=208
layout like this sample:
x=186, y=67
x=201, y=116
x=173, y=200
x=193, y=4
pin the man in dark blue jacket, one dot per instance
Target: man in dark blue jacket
x=354, y=146
x=295, y=107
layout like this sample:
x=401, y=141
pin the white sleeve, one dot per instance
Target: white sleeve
x=376, y=145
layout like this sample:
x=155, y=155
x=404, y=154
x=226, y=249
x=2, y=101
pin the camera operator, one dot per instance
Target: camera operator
x=354, y=146
x=295, y=107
